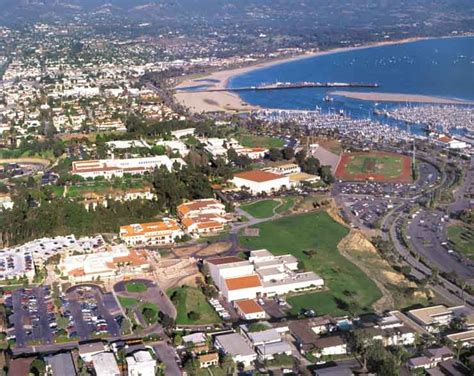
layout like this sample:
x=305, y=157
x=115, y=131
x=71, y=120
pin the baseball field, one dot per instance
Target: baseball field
x=375, y=166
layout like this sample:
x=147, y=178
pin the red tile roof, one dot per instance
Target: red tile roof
x=248, y=306
x=243, y=282
x=258, y=176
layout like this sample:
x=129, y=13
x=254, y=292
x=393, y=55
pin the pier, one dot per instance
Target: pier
x=286, y=86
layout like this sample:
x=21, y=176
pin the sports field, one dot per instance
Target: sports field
x=313, y=239
x=375, y=166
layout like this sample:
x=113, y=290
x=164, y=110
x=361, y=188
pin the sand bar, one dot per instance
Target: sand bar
x=397, y=97
x=227, y=101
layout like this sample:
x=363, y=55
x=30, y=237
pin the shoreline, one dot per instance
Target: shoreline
x=229, y=102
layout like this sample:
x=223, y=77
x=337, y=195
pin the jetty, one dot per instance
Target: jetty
x=285, y=86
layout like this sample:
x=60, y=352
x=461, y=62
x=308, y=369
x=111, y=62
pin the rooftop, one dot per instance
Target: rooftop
x=245, y=282
x=427, y=314
x=234, y=344
x=224, y=260
x=258, y=176
x=248, y=306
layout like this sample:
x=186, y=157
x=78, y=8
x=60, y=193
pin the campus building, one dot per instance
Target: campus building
x=202, y=216
x=259, y=181
x=106, y=265
x=109, y=168
x=152, y=233
x=263, y=274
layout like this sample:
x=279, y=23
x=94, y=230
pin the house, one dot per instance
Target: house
x=454, y=367
x=322, y=324
x=141, y=363
x=249, y=309
x=105, y=364
x=465, y=339
x=237, y=347
x=304, y=337
x=431, y=358
x=432, y=318
x=87, y=350
x=152, y=233
x=198, y=341
x=208, y=360
x=60, y=364
x=267, y=351
x=259, y=181
x=330, y=345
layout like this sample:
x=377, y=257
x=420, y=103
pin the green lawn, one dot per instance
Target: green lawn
x=349, y=288
x=136, y=287
x=389, y=166
x=189, y=299
x=462, y=239
x=261, y=209
x=251, y=141
x=127, y=302
x=287, y=204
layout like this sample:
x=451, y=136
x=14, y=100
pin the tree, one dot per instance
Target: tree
x=326, y=174
x=358, y=343
x=311, y=166
x=288, y=153
x=275, y=154
x=194, y=316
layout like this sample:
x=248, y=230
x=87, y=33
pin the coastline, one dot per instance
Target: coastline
x=227, y=101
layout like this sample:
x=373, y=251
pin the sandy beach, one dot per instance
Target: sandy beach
x=396, y=97
x=227, y=101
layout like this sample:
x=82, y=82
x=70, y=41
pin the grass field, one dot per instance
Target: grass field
x=287, y=204
x=349, y=288
x=127, y=302
x=375, y=166
x=136, y=287
x=189, y=299
x=462, y=239
x=251, y=141
x=261, y=209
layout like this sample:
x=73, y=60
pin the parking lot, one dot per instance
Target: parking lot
x=92, y=312
x=369, y=210
x=33, y=319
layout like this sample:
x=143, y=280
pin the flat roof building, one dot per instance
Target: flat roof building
x=235, y=345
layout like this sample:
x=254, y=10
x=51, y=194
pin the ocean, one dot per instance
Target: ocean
x=435, y=67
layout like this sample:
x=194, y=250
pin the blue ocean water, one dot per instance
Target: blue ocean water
x=437, y=67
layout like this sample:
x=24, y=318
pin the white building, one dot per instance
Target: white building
x=203, y=216
x=284, y=169
x=258, y=181
x=105, y=364
x=262, y=275
x=6, y=202
x=106, y=265
x=141, y=363
x=108, y=168
x=237, y=347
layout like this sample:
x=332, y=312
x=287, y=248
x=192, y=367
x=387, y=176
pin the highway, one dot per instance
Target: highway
x=396, y=217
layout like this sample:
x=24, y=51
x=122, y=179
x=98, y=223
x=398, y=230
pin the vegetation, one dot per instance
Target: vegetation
x=127, y=302
x=150, y=312
x=252, y=141
x=136, y=287
x=261, y=209
x=350, y=290
x=192, y=306
x=462, y=239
